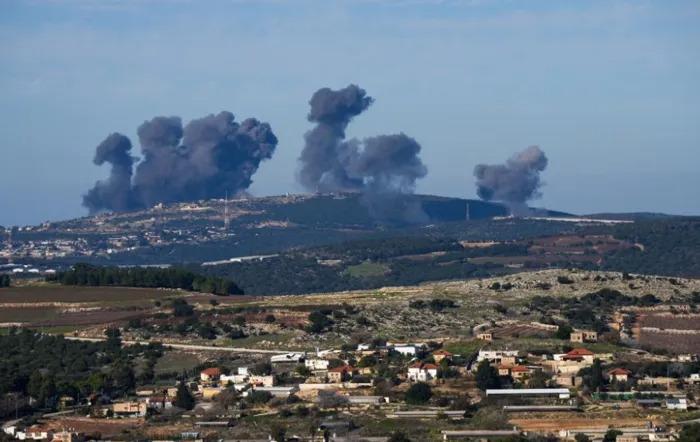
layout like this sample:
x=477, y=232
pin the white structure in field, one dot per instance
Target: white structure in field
x=563, y=393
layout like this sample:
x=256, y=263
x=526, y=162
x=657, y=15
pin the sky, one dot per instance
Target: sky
x=610, y=90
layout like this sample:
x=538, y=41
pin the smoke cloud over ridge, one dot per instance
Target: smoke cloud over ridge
x=207, y=158
x=515, y=182
x=383, y=168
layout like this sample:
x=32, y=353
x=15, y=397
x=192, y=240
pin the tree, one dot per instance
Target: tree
x=398, y=436
x=183, y=397
x=330, y=399
x=611, y=435
x=114, y=340
x=5, y=281
x=689, y=433
x=580, y=437
x=418, y=393
x=181, y=308
x=486, y=376
x=596, y=379
x=564, y=332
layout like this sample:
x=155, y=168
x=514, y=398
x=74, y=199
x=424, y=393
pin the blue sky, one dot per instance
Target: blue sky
x=608, y=89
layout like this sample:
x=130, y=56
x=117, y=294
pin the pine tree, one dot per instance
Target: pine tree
x=183, y=397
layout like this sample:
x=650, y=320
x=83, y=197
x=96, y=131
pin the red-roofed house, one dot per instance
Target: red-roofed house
x=340, y=374
x=439, y=355
x=210, y=374
x=421, y=372
x=579, y=354
x=619, y=374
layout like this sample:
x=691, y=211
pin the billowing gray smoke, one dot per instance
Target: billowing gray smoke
x=515, y=182
x=115, y=149
x=384, y=168
x=205, y=159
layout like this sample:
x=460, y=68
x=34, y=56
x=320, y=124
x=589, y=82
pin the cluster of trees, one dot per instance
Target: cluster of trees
x=591, y=310
x=46, y=367
x=5, y=281
x=174, y=278
x=436, y=305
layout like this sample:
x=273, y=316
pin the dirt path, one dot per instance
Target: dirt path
x=187, y=346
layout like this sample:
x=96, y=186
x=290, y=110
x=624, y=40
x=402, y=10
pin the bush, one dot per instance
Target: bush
x=418, y=393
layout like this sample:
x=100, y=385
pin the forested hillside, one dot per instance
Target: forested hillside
x=173, y=278
x=668, y=247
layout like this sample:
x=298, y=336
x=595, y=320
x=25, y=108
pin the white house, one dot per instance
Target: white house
x=677, y=404
x=227, y=379
x=495, y=355
x=420, y=372
x=406, y=350
x=316, y=364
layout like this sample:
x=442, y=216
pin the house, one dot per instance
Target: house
x=229, y=379
x=495, y=356
x=485, y=336
x=504, y=370
x=158, y=402
x=677, y=404
x=279, y=391
x=583, y=336
x=210, y=374
x=262, y=381
x=337, y=375
x=693, y=379
x=209, y=393
x=579, y=355
x=569, y=380
x=316, y=364
x=421, y=372
x=509, y=360
x=406, y=350
x=66, y=401
x=520, y=372
x=147, y=391
x=439, y=355
x=618, y=375
x=67, y=436
x=658, y=381
x=129, y=409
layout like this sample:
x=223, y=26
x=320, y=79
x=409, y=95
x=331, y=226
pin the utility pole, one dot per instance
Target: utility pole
x=468, y=215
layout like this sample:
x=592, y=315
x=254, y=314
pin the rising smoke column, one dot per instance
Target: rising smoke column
x=384, y=168
x=207, y=158
x=115, y=150
x=515, y=182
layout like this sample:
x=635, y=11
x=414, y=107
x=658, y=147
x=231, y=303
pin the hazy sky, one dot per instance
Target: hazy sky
x=609, y=89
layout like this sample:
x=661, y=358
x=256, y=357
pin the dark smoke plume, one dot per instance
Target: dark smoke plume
x=384, y=168
x=515, y=182
x=115, y=149
x=207, y=158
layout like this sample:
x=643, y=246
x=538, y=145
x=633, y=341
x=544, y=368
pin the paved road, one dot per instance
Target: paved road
x=188, y=346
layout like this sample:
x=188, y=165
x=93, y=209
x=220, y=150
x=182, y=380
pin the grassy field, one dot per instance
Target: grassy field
x=367, y=269
x=176, y=361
